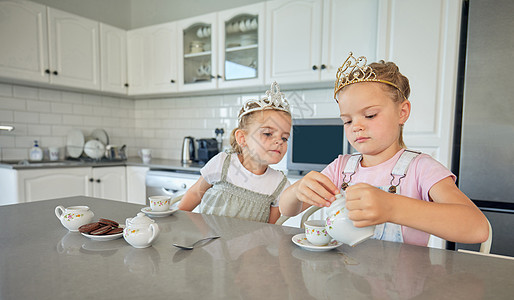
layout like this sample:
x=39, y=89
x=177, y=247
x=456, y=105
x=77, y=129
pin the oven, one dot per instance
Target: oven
x=169, y=183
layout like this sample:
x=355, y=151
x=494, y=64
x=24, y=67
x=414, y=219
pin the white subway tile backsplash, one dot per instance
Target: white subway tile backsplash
x=70, y=97
x=62, y=108
x=40, y=130
x=12, y=104
x=38, y=106
x=73, y=120
x=25, y=92
x=50, y=95
x=160, y=124
x=6, y=116
x=26, y=117
x=5, y=90
x=80, y=109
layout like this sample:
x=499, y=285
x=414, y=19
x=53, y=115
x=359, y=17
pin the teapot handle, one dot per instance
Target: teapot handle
x=57, y=214
x=155, y=232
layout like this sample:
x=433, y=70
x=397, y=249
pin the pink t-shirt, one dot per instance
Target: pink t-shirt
x=423, y=173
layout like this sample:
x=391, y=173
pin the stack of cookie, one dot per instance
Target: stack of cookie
x=102, y=227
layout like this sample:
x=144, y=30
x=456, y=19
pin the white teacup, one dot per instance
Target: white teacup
x=53, y=153
x=159, y=203
x=146, y=155
x=316, y=233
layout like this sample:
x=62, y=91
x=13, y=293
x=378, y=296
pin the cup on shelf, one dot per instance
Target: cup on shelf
x=146, y=155
x=316, y=233
x=196, y=47
x=159, y=203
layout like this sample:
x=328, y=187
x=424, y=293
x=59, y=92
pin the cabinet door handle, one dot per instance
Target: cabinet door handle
x=172, y=81
x=126, y=84
x=56, y=73
x=219, y=76
x=98, y=180
x=323, y=67
x=314, y=67
x=91, y=180
x=47, y=71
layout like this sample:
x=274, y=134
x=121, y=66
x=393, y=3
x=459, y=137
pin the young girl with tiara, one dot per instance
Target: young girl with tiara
x=240, y=183
x=406, y=194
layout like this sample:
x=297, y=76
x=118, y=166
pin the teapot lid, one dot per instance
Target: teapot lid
x=141, y=219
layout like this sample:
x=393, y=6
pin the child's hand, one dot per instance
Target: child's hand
x=368, y=205
x=316, y=189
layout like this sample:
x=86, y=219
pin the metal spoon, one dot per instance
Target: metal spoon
x=193, y=244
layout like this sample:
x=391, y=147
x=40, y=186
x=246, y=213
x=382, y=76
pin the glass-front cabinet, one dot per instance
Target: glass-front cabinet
x=221, y=50
x=241, y=33
x=198, y=50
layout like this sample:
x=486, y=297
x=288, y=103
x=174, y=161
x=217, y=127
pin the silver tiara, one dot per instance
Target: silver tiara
x=274, y=99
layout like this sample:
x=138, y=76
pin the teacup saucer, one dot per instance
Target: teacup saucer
x=301, y=240
x=149, y=212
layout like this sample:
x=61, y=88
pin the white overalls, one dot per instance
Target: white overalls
x=385, y=231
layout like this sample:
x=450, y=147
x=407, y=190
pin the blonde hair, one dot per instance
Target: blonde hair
x=390, y=72
x=244, y=122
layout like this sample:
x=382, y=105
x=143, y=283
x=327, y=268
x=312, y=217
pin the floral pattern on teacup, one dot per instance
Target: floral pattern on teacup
x=72, y=216
x=160, y=202
x=317, y=232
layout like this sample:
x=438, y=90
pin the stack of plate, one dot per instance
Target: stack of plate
x=93, y=148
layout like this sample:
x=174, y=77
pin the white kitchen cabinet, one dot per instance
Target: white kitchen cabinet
x=24, y=41
x=109, y=183
x=41, y=184
x=241, y=51
x=136, y=184
x=113, y=58
x=223, y=49
x=198, y=53
x=74, y=50
x=47, y=45
x=307, y=40
x=427, y=53
x=152, y=59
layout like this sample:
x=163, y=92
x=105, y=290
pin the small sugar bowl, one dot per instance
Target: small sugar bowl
x=140, y=231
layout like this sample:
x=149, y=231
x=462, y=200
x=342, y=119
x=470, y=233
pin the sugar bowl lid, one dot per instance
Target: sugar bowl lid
x=140, y=220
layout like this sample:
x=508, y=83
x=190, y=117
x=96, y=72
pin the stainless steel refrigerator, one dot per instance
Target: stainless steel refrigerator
x=484, y=136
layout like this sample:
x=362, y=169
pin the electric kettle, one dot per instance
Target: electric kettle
x=188, y=150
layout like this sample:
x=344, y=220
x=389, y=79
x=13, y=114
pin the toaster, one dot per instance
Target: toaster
x=206, y=149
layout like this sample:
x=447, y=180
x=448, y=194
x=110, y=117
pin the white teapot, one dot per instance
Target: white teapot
x=74, y=216
x=140, y=231
x=341, y=228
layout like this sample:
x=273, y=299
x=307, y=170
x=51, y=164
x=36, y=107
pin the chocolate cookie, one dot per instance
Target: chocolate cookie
x=115, y=231
x=101, y=230
x=108, y=222
x=87, y=228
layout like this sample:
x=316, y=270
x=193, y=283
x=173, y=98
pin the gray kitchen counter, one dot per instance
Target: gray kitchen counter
x=155, y=163
x=40, y=259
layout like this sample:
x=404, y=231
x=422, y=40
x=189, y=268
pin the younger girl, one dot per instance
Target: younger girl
x=241, y=184
x=408, y=195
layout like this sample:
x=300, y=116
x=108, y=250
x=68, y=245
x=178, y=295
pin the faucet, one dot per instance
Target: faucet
x=6, y=127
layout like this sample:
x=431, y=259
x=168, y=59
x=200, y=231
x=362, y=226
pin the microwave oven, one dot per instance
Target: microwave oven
x=315, y=143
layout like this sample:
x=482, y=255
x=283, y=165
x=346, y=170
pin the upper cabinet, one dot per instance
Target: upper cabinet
x=113, y=58
x=222, y=50
x=47, y=45
x=24, y=36
x=152, y=59
x=240, y=40
x=74, y=51
x=198, y=52
x=307, y=40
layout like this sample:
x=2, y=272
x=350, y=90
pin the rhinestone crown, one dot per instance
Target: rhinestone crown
x=274, y=99
x=356, y=70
